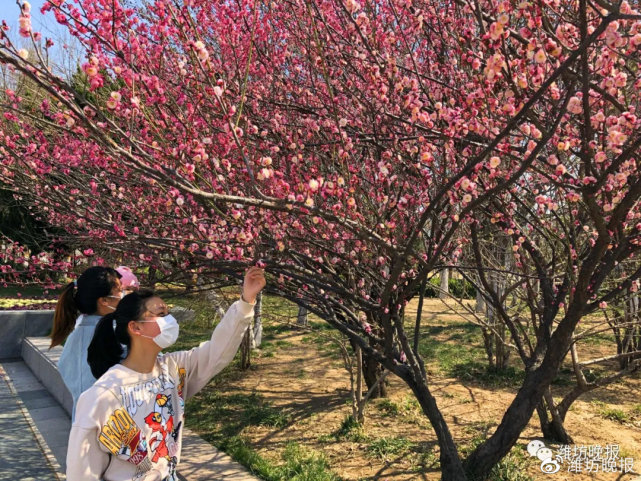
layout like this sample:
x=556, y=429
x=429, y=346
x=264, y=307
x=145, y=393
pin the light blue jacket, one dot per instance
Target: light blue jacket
x=73, y=365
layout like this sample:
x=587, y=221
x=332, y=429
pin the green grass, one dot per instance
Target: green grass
x=487, y=376
x=231, y=413
x=238, y=448
x=512, y=467
x=304, y=465
x=464, y=346
x=599, y=339
x=426, y=458
x=387, y=407
x=565, y=377
x=407, y=408
x=614, y=414
x=299, y=464
x=318, y=337
x=386, y=448
x=479, y=429
x=350, y=430
x=456, y=350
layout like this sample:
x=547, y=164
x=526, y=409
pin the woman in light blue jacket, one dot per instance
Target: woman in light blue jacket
x=94, y=294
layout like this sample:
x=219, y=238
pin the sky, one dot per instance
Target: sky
x=46, y=25
x=9, y=11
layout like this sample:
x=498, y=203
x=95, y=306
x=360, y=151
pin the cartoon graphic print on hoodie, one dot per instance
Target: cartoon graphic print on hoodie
x=128, y=425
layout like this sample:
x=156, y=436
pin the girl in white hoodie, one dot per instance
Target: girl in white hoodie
x=129, y=425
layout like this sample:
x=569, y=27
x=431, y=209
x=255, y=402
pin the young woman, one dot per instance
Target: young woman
x=128, y=283
x=94, y=294
x=128, y=425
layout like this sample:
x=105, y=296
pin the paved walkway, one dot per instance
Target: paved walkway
x=24, y=454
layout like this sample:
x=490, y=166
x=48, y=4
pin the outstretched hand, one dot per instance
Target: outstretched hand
x=253, y=283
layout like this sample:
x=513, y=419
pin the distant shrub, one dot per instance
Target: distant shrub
x=459, y=288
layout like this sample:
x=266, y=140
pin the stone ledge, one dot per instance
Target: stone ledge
x=43, y=362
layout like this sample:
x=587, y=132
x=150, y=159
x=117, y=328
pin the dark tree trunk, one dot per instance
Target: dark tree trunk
x=151, y=277
x=537, y=380
x=552, y=425
x=451, y=465
x=245, y=351
x=371, y=372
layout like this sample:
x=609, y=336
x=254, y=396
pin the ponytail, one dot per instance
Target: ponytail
x=105, y=349
x=81, y=296
x=64, y=316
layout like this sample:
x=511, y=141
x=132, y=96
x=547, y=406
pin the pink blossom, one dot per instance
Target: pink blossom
x=540, y=57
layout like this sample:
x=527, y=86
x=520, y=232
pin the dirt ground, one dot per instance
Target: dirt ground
x=313, y=389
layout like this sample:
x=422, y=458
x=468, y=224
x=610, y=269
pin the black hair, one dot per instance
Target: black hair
x=105, y=349
x=81, y=296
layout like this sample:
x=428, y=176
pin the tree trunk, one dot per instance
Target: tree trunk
x=301, y=318
x=359, y=386
x=151, y=276
x=245, y=351
x=629, y=337
x=371, y=372
x=445, y=284
x=451, y=466
x=537, y=380
x=502, y=351
x=480, y=302
x=257, y=330
x=552, y=420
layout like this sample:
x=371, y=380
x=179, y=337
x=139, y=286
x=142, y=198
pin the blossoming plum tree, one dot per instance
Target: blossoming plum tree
x=349, y=146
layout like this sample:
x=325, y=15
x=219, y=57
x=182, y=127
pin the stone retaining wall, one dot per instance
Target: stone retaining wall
x=18, y=325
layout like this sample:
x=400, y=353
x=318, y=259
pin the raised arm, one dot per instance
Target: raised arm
x=205, y=361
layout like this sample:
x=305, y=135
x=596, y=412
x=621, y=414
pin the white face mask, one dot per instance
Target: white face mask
x=168, y=331
x=122, y=294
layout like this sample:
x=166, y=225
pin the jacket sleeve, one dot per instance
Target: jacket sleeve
x=86, y=459
x=202, y=363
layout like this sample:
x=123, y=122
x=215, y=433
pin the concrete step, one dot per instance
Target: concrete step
x=26, y=421
x=200, y=460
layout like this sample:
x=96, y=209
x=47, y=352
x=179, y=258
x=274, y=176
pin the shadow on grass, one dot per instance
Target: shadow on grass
x=220, y=419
